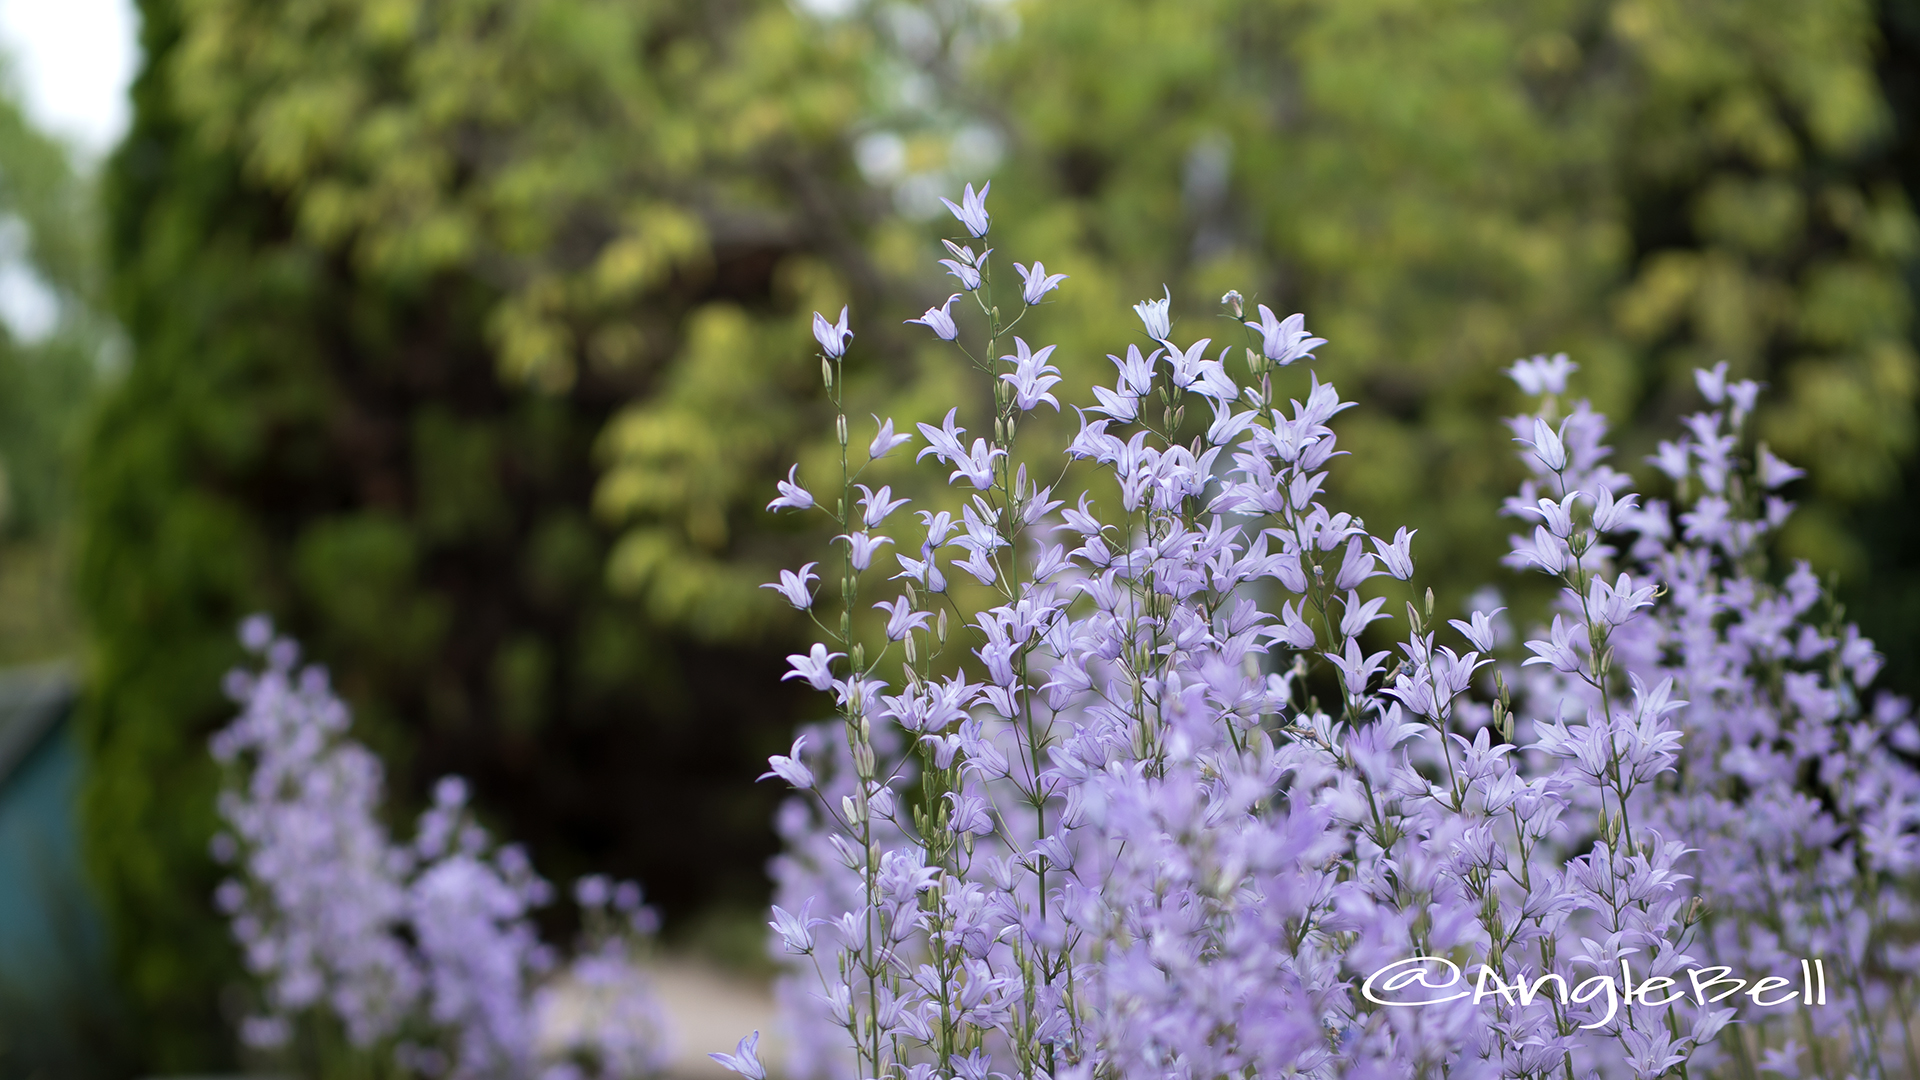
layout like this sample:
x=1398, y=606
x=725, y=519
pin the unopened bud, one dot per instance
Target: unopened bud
x=863, y=760
x=940, y=626
x=1256, y=363
x=1010, y=426
x=999, y=431
x=907, y=644
x=852, y=810
x=826, y=372
x=840, y=429
x=1429, y=602
x=859, y=657
x=1179, y=416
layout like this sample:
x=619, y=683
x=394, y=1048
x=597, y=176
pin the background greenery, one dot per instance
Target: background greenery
x=467, y=336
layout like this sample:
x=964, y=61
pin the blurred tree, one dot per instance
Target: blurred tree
x=1645, y=184
x=387, y=269
x=1442, y=188
x=52, y=359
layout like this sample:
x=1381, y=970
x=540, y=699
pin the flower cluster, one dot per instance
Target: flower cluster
x=424, y=949
x=1129, y=781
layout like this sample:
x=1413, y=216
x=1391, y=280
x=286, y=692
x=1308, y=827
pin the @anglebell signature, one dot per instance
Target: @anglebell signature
x=1431, y=980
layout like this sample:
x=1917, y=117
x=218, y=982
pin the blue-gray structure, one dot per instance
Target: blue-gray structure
x=56, y=1011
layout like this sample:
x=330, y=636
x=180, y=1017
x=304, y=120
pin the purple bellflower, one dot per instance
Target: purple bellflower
x=1170, y=787
x=972, y=210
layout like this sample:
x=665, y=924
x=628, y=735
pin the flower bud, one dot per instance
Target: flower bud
x=840, y=429
x=826, y=372
x=940, y=626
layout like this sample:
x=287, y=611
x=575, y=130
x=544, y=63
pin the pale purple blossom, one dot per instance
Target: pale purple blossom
x=792, y=495
x=1284, y=341
x=972, y=210
x=940, y=321
x=1036, y=283
x=833, y=337
x=428, y=947
x=1149, y=845
x=796, y=588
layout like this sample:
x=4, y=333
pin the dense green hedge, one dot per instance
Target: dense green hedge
x=356, y=402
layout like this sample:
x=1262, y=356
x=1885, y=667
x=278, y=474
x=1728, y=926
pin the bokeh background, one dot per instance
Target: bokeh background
x=467, y=337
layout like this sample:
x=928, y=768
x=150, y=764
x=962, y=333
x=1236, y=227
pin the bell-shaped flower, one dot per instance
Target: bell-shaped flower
x=940, y=320
x=833, y=337
x=744, y=1060
x=816, y=667
x=861, y=546
x=789, y=767
x=795, y=586
x=1542, y=375
x=886, y=442
x=1398, y=555
x=1153, y=314
x=972, y=210
x=1546, y=445
x=1032, y=377
x=1284, y=340
x=879, y=504
x=792, y=495
x=902, y=619
x=1036, y=283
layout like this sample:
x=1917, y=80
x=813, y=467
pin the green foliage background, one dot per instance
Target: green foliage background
x=47, y=208
x=468, y=336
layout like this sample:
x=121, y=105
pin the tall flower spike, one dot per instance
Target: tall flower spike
x=833, y=337
x=972, y=210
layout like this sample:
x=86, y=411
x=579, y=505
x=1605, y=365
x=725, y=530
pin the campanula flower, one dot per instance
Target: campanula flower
x=1284, y=340
x=815, y=666
x=1036, y=283
x=744, y=1060
x=795, y=587
x=972, y=210
x=861, y=546
x=879, y=504
x=833, y=337
x=792, y=495
x=940, y=320
x=1031, y=377
x=1542, y=374
x=1153, y=315
x=886, y=442
x=968, y=274
x=902, y=619
x=1547, y=446
x=790, y=767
